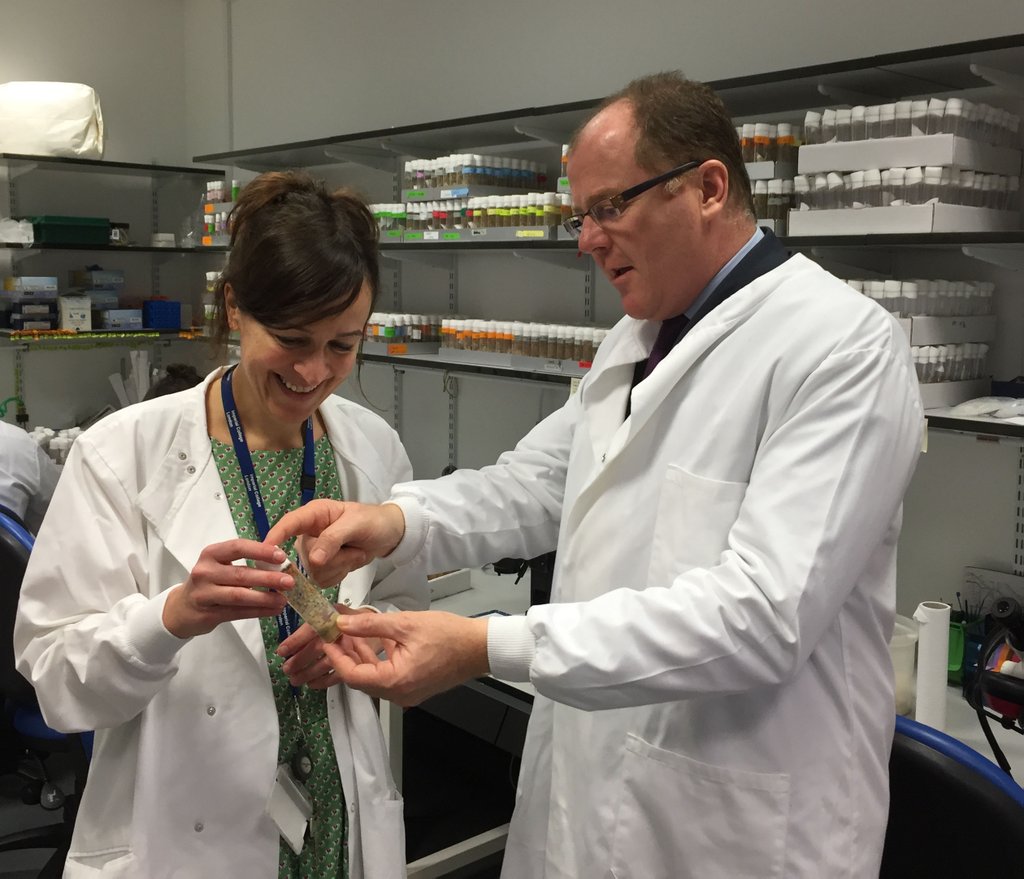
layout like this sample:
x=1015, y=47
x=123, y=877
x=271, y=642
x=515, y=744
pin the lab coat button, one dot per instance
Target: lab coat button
x=199, y=826
x=182, y=456
x=216, y=495
x=603, y=457
x=211, y=710
x=347, y=601
x=190, y=469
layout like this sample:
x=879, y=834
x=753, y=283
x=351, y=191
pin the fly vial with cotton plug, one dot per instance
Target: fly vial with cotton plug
x=307, y=600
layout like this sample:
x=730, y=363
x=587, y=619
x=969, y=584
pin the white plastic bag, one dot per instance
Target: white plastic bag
x=51, y=119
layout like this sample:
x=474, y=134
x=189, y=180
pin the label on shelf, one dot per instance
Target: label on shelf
x=531, y=233
x=431, y=235
x=769, y=170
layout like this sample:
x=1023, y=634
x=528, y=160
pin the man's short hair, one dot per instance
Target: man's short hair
x=679, y=121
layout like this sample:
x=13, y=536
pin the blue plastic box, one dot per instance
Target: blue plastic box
x=161, y=314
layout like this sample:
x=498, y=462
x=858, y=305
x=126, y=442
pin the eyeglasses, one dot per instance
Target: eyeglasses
x=610, y=209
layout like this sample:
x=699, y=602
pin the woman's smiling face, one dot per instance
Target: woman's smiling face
x=284, y=374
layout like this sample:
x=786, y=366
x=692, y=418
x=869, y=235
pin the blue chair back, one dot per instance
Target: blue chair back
x=15, y=547
x=937, y=783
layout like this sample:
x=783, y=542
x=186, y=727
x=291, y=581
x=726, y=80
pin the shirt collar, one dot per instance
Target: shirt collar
x=705, y=294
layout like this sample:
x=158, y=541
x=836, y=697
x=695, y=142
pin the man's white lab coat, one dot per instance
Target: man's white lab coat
x=716, y=694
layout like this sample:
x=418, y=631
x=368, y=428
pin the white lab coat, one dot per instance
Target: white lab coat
x=715, y=690
x=186, y=731
x=27, y=476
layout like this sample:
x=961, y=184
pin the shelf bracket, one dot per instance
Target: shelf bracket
x=1004, y=257
x=1012, y=82
x=417, y=152
x=445, y=261
x=848, y=96
x=547, y=135
x=369, y=157
x=19, y=253
x=850, y=264
x=566, y=259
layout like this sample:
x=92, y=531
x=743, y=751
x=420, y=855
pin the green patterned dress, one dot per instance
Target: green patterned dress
x=325, y=854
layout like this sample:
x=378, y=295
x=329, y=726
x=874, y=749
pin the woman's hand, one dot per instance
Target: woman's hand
x=218, y=591
x=305, y=662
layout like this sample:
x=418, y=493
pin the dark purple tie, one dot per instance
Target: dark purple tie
x=670, y=333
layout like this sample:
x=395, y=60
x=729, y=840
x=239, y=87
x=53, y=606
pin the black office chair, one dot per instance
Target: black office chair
x=952, y=812
x=32, y=736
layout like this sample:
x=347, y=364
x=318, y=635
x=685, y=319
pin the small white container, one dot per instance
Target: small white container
x=902, y=648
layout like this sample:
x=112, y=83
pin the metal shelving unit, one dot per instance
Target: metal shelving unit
x=998, y=61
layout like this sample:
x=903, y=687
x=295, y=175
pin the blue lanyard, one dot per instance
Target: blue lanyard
x=288, y=621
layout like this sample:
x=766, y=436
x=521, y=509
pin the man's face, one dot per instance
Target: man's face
x=651, y=254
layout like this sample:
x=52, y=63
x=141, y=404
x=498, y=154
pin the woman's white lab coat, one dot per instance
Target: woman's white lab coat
x=715, y=691
x=186, y=731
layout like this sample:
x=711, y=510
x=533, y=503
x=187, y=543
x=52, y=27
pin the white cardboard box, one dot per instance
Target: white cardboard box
x=905, y=152
x=449, y=584
x=769, y=170
x=75, y=313
x=903, y=219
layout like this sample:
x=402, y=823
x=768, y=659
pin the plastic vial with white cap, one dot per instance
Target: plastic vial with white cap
x=843, y=125
x=872, y=121
x=887, y=120
x=903, y=111
x=914, y=186
x=918, y=117
x=858, y=124
x=812, y=127
x=819, y=192
x=908, y=298
x=936, y=115
x=828, y=125
x=872, y=188
x=307, y=601
x=897, y=179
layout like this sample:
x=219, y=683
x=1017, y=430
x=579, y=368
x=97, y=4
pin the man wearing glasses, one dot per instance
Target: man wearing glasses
x=724, y=492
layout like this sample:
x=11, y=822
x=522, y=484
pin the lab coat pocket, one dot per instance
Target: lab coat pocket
x=684, y=819
x=382, y=834
x=692, y=523
x=113, y=864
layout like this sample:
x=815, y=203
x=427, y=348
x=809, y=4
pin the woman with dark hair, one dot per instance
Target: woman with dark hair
x=142, y=618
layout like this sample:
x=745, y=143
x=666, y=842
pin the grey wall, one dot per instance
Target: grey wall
x=130, y=51
x=318, y=68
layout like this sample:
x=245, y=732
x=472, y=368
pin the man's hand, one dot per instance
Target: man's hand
x=337, y=537
x=426, y=652
x=305, y=662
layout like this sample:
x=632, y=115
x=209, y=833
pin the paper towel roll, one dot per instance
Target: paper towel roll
x=932, y=662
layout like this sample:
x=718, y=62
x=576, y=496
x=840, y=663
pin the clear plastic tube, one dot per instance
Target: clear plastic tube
x=307, y=600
